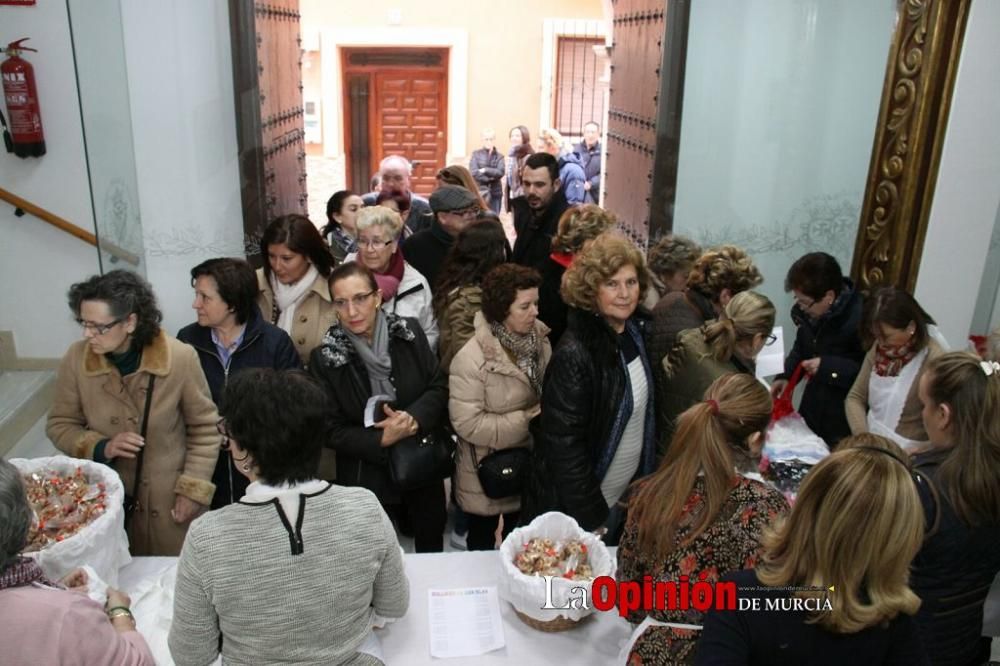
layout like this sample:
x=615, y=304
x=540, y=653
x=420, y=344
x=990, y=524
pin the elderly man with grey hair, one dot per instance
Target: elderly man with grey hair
x=394, y=173
x=46, y=622
x=487, y=166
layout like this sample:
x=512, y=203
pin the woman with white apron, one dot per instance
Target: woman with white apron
x=884, y=397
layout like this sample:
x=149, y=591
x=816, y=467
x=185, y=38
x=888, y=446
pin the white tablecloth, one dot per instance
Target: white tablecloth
x=406, y=642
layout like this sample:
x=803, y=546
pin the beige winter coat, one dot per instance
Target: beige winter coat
x=313, y=316
x=93, y=402
x=490, y=402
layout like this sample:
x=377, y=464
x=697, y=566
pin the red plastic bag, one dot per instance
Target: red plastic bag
x=783, y=404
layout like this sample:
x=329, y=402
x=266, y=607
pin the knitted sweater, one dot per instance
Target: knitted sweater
x=278, y=594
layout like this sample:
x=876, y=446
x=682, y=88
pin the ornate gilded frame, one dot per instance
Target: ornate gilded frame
x=913, y=115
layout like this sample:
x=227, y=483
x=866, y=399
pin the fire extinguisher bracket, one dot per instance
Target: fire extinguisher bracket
x=26, y=138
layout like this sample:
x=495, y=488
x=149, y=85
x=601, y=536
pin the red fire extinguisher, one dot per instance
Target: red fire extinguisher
x=25, y=138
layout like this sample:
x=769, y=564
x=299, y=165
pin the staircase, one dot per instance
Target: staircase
x=27, y=387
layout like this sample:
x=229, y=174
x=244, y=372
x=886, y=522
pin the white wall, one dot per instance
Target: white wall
x=39, y=262
x=968, y=184
x=180, y=80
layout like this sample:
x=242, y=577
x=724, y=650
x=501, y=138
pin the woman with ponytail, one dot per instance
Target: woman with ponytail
x=702, y=355
x=702, y=512
x=958, y=479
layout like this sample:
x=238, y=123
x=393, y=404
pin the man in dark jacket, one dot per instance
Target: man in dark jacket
x=588, y=152
x=537, y=213
x=394, y=176
x=454, y=208
x=827, y=312
x=487, y=166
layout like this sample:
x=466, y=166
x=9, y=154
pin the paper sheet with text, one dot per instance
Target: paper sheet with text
x=464, y=622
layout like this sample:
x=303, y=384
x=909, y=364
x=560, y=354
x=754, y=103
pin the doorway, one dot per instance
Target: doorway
x=396, y=102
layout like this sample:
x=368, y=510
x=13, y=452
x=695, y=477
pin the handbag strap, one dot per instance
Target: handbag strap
x=142, y=432
x=475, y=458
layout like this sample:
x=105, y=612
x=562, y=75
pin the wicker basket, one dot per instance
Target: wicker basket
x=560, y=623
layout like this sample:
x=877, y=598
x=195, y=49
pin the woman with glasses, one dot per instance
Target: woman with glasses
x=99, y=412
x=297, y=570
x=373, y=353
x=827, y=316
x=701, y=355
x=292, y=291
x=884, y=398
x=231, y=337
x=405, y=291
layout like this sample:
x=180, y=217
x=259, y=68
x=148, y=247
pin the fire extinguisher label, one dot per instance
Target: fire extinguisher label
x=23, y=117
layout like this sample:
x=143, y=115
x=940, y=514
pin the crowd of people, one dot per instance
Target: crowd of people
x=407, y=342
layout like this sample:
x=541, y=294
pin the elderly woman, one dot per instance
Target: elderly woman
x=702, y=355
x=131, y=396
x=43, y=622
x=856, y=521
x=375, y=354
x=717, y=276
x=884, y=399
x=670, y=262
x=494, y=388
x=957, y=482
x=577, y=225
x=702, y=512
x=292, y=284
x=230, y=336
x=296, y=570
x=341, y=223
x=405, y=291
x=479, y=248
x=597, y=431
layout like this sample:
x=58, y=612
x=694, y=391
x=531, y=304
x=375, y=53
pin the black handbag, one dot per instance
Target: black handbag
x=502, y=473
x=131, y=501
x=418, y=461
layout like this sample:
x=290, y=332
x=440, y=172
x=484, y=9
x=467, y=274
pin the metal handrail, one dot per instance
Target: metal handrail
x=23, y=206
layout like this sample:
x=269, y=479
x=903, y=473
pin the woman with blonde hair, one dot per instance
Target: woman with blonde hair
x=717, y=276
x=957, y=481
x=597, y=430
x=702, y=512
x=701, y=355
x=571, y=173
x=405, y=291
x=577, y=225
x=849, y=541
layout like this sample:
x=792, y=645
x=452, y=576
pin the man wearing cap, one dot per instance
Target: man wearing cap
x=537, y=212
x=394, y=174
x=454, y=208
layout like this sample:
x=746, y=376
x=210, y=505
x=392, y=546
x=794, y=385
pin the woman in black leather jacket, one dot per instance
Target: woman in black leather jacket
x=596, y=433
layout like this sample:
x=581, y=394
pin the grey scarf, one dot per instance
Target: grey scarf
x=376, y=356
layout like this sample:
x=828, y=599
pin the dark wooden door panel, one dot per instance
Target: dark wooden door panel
x=411, y=121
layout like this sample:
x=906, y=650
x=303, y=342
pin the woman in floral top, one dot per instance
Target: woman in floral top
x=702, y=512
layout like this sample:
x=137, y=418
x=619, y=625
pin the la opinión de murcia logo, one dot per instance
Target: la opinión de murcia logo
x=605, y=593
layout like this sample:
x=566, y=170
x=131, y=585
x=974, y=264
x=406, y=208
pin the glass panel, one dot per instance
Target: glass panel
x=99, y=53
x=781, y=99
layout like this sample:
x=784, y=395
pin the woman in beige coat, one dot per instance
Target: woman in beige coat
x=100, y=400
x=293, y=294
x=494, y=390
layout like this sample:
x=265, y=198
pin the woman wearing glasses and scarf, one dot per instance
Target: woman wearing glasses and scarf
x=405, y=292
x=701, y=355
x=99, y=411
x=373, y=352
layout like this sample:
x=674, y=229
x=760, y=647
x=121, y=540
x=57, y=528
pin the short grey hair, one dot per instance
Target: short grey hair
x=390, y=160
x=387, y=218
x=15, y=515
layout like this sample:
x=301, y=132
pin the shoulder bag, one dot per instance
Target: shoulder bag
x=502, y=473
x=131, y=502
x=418, y=461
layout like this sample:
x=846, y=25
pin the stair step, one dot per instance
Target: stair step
x=25, y=395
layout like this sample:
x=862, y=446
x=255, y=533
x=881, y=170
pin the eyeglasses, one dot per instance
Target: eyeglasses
x=357, y=300
x=98, y=329
x=770, y=340
x=805, y=306
x=223, y=429
x=472, y=211
x=374, y=244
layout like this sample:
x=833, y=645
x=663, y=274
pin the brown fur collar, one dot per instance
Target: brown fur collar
x=155, y=359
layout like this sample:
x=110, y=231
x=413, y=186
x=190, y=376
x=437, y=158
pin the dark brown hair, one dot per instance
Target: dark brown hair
x=300, y=236
x=478, y=249
x=234, y=280
x=814, y=274
x=351, y=269
x=500, y=287
x=897, y=308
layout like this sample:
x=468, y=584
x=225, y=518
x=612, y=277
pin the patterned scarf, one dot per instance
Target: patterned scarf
x=890, y=360
x=525, y=351
x=24, y=571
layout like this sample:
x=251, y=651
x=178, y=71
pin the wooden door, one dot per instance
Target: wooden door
x=395, y=103
x=410, y=121
x=267, y=72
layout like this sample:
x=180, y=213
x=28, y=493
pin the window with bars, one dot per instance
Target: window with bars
x=580, y=86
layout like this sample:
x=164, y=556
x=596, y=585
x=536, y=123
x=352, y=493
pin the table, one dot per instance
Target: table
x=596, y=641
